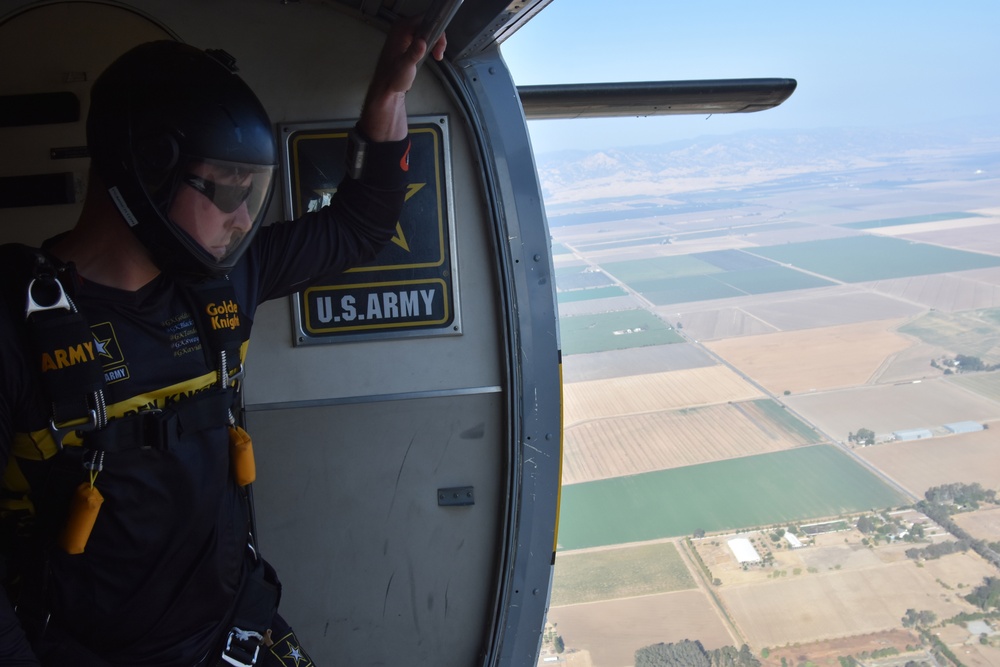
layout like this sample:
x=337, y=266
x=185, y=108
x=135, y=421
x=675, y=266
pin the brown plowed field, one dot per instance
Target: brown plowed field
x=802, y=361
x=613, y=630
x=845, y=603
x=947, y=292
x=669, y=439
x=928, y=404
x=966, y=458
x=982, y=524
x=653, y=392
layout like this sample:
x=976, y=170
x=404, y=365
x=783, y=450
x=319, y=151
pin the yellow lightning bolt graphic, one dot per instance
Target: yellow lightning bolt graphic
x=400, y=238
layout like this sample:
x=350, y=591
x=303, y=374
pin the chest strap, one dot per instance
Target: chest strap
x=162, y=428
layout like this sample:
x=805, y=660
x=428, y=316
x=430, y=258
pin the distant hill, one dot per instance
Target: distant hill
x=738, y=160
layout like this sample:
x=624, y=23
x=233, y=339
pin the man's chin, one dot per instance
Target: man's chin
x=230, y=248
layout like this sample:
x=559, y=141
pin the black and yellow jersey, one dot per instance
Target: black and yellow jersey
x=160, y=570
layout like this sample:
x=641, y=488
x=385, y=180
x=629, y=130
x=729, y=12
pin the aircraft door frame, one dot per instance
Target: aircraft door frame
x=526, y=279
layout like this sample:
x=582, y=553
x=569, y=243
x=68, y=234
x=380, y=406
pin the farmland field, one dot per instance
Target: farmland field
x=613, y=630
x=634, y=361
x=614, y=331
x=666, y=291
x=706, y=287
x=895, y=407
x=817, y=310
x=660, y=267
x=789, y=423
x=849, y=602
x=972, y=333
x=619, y=446
x=985, y=238
x=608, y=574
x=653, y=392
x=579, y=277
x=867, y=257
x=752, y=491
x=598, y=306
x=982, y=524
x=986, y=385
x=788, y=311
x=910, y=220
x=588, y=294
x=917, y=466
x=802, y=361
x=809, y=298
x=946, y=292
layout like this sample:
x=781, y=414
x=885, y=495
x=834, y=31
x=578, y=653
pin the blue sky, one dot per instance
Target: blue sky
x=879, y=63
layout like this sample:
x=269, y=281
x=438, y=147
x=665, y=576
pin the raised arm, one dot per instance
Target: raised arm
x=383, y=117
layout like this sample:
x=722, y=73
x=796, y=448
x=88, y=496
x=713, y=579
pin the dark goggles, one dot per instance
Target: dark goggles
x=227, y=198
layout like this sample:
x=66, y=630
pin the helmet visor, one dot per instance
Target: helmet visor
x=216, y=207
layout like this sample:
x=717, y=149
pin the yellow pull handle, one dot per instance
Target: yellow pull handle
x=241, y=456
x=83, y=511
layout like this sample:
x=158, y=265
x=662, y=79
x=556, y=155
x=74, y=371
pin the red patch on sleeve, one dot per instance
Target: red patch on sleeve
x=404, y=162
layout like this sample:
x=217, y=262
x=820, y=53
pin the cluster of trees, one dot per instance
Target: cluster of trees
x=962, y=363
x=924, y=617
x=968, y=495
x=937, y=550
x=987, y=596
x=881, y=528
x=692, y=654
x=941, y=501
x=864, y=436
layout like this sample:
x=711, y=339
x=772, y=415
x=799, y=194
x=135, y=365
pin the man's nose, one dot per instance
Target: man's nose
x=241, y=218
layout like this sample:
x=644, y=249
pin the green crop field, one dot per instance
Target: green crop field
x=683, y=289
x=658, y=268
x=984, y=384
x=590, y=294
x=780, y=487
x=666, y=291
x=619, y=573
x=972, y=332
x=863, y=258
x=909, y=220
x=614, y=331
x=623, y=243
x=787, y=420
x=770, y=279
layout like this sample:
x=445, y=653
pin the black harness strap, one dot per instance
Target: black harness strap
x=64, y=346
x=162, y=428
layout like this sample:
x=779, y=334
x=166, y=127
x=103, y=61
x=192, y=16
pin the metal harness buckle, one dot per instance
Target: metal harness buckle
x=60, y=431
x=60, y=302
x=242, y=647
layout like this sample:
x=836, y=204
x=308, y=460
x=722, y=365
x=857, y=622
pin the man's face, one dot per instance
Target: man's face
x=210, y=205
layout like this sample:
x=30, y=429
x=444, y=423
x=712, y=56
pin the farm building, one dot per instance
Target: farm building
x=792, y=540
x=964, y=427
x=743, y=550
x=913, y=434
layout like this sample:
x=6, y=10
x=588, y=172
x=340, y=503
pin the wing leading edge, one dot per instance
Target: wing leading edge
x=653, y=98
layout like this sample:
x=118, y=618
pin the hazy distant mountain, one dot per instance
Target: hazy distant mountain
x=742, y=159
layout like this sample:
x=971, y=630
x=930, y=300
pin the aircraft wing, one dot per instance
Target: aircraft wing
x=653, y=98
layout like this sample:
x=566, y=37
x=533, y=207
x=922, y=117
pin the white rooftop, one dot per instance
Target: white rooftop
x=743, y=550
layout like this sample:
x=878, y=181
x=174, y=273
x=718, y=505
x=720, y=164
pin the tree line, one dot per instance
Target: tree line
x=689, y=653
x=963, y=363
x=942, y=501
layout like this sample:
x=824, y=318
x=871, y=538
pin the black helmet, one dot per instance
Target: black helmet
x=175, y=134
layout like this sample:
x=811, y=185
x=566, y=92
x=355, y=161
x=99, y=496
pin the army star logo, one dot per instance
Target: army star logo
x=295, y=653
